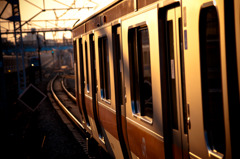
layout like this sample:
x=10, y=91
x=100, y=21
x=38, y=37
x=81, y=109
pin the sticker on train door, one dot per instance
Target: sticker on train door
x=185, y=40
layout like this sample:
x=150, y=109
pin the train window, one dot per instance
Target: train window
x=212, y=98
x=104, y=68
x=86, y=58
x=140, y=71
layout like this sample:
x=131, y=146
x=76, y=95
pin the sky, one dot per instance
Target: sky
x=30, y=8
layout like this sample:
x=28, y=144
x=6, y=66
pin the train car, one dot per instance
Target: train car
x=160, y=79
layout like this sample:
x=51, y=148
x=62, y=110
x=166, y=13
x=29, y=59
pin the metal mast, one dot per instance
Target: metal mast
x=16, y=18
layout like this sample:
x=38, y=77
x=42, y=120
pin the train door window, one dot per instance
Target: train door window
x=184, y=102
x=94, y=84
x=104, y=68
x=172, y=86
x=212, y=98
x=118, y=64
x=140, y=71
x=76, y=64
x=81, y=63
x=75, y=50
x=75, y=59
x=82, y=79
x=86, y=59
x=92, y=60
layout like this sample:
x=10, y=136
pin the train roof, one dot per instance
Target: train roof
x=111, y=12
x=97, y=13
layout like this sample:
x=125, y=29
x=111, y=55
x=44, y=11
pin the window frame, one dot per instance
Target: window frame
x=208, y=92
x=105, y=80
x=136, y=72
x=86, y=65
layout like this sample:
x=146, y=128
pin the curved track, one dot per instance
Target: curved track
x=67, y=102
x=60, y=94
x=68, y=93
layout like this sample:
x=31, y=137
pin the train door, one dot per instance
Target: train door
x=209, y=82
x=236, y=66
x=237, y=35
x=106, y=92
x=119, y=87
x=142, y=85
x=82, y=81
x=176, y=85
x=102, y=40
x=77, y=76
x=94, y=87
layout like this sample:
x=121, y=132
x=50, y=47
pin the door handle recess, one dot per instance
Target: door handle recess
x=188, y=117
x=188, y=123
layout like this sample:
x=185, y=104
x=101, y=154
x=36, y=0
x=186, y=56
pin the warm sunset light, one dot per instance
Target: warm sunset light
x=50, y=14
x=122, y=79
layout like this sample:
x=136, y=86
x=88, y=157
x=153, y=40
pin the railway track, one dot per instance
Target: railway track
x=61, y=95
x=65, y=104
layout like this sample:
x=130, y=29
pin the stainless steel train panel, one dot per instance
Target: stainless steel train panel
x=142, y=130
x=198, y=141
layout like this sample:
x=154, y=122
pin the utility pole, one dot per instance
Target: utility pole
x=39, y=57
x=3, y=96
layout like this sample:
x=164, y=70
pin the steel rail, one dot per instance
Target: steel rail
x=68, y=113
x=68, y=93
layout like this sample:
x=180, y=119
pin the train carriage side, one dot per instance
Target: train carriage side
x=142, y=84
x=161, y=79
x=211, y=50
x=237, y=33
x=234, y=79
x=77, y=77
x=138, y=130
